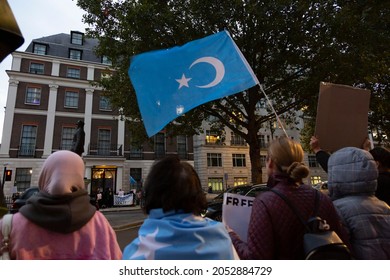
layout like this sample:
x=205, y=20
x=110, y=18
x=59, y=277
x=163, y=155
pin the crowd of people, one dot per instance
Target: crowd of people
x=60, y=222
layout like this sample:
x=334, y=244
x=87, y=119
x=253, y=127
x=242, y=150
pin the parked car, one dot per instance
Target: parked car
x=214, y=207
x=19, y=202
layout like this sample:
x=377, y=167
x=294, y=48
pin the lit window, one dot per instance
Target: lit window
x=213, y=137
x=240, y=181
x=37, y=68
x=75, y=54
x=315, y=180
x=71, y=99
x=215, y=184
x=73, y=73
x=76, y=38
x=33, y=96
x=39, y=49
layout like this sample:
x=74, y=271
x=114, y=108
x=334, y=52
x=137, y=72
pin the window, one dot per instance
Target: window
x=182, y=146
x=76, y=38
x=104, y=141
x=106, y=60
x=315, y=180
x=104, y=104
x=213, y=137
x=136, y=174
x=23, y=179
x=33, y=96
x=214, y=159
x=75, y=54
x=37, y=68
x=237, y=140
x=73, y=73
x=263, y=161
x=239, y=160
x=67, y=137
x=262, y=141
x=39, y=49
x=71, y=99
x=240, y=181
x=312, y=161
x=159, y=145
x=216, y=184
x=28, y=140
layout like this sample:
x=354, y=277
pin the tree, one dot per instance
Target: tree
x=291, y=45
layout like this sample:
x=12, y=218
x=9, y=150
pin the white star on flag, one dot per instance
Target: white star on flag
x=149, y=245
x=183, y=82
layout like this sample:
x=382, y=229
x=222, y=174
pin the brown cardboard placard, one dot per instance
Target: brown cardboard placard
x=342, y=116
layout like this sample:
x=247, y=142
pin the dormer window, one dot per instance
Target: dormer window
x=40, y=48
x=75, y=54
x=76, y=38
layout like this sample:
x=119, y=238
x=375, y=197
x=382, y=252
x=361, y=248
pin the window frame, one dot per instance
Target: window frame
x=40, y=70
x=73, y=73
x=74, y=51
x=68, y=99
x=36, y=95
x=239, y=160
x=39, y=48
x=75, y=38
x=106, y=100
x=214, y=160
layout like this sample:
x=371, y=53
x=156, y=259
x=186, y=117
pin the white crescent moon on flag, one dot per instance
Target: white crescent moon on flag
x=219, y=69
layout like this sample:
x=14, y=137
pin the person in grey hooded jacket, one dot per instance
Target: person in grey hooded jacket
x=352, y=182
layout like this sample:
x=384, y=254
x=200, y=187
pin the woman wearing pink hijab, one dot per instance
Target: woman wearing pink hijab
x=59, y=222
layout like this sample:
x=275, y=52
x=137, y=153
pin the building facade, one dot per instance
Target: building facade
x=50, y=90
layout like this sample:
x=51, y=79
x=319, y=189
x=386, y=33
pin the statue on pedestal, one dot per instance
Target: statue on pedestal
x=79, y=139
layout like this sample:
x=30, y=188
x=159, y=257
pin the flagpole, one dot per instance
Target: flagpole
x=273, y=109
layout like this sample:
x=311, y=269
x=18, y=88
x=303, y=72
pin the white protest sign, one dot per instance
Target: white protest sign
x=236, y=213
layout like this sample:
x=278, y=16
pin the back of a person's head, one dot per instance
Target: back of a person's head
x=62, y=173
x=288, y=155
x=174, y=185
x=381, y=155
x=351, y=171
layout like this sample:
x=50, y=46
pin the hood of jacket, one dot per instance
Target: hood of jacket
x=351, y=171
x=60, y=213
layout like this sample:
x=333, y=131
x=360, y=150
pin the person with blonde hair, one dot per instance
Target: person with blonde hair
x=59, y=222
x=275, y=231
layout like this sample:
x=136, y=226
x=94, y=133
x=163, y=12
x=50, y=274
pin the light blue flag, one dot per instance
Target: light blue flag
x=171, y=82
x=180, y=236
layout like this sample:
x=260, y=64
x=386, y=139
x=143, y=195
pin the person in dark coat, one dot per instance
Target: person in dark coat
x=79, y=139
x=275, y=231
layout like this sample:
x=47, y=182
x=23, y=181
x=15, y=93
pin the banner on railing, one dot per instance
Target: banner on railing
x=127, y=199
